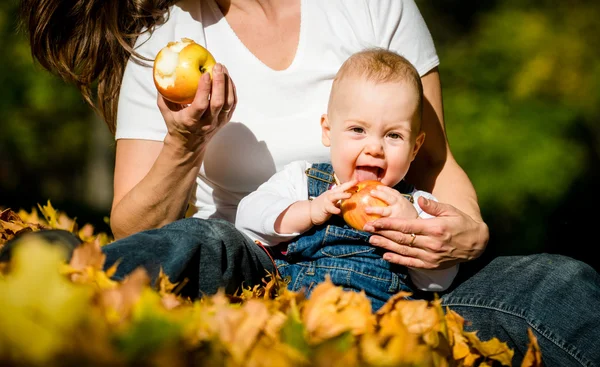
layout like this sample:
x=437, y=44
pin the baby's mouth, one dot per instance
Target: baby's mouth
x=363, y=173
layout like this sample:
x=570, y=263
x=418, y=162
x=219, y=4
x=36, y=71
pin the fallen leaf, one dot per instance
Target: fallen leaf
x=533, y=357
x=40, y=307
x=119, y=301
x=331, y=311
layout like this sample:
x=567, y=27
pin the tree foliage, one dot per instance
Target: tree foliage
x=521, y=87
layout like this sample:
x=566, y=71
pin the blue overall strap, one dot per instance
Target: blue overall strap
x=320, y=178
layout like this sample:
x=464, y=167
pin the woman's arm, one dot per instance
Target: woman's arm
x=152, y=184
x=458, y=233
x=435, y=169
x=153, y=180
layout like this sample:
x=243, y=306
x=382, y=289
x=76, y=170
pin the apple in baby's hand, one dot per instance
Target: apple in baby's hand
x=353, y=208
x=178, y=67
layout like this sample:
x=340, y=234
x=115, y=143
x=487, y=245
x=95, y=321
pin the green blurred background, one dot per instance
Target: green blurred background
x=521, y=87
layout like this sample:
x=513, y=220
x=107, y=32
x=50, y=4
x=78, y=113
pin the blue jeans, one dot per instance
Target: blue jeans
x=557, y=296
x=347, y=257
x=211, y=254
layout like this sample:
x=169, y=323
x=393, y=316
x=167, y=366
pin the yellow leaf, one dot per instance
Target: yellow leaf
x=32, y=217
x=340, y=351
x=460, y=346
x=270, y=353
x=400, y=349
x=88, y=254
x=40, y=307
x=492, y=349
x=119, y=302
x=14, y=227
x=50, y=214
x=86, y=233
x=331, y=311
x=240, y=328
x=533, y=357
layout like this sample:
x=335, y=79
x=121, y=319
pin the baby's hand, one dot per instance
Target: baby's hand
x=327, y=204
x=398, y=205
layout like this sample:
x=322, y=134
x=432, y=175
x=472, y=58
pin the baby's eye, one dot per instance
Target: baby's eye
x=358, y=130
x=394, y=136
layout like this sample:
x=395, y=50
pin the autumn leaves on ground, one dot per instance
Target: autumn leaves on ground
x=54, y=313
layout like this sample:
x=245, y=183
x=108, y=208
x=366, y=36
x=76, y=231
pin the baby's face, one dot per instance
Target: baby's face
x=372, y=130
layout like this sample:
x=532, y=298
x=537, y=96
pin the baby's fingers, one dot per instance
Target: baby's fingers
x=331, y=208
x=346, y=186
x=336, y=196
x=387, y=194
x=384, y=211
x=387, y=197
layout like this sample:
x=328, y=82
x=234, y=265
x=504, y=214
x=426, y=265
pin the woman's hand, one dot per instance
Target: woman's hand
x=193, y=125
x=450, y=238
x=153, y=180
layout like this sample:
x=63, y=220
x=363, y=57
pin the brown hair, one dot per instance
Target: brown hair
x=380, y=66
x=88, y=42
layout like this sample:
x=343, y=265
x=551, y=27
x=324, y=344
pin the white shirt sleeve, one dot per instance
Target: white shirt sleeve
x=138, y=116
x=257, y=212
x=426, y=279
x=399, y=26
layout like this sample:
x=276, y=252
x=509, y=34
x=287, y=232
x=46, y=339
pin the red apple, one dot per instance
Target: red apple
x=178, y=67
x=353, y=208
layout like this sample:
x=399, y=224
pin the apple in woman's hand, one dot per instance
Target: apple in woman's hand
x=178, y=67
x=353, y=208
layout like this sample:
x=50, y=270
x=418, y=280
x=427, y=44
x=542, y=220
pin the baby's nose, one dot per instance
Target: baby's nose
x=374, y=147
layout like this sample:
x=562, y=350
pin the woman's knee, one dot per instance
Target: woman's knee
x=553, y=269
x=213, y=228
x=57, y=237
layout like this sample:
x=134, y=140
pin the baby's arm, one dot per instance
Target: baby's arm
x=258, y=211
x=279, y=209
x=302, y=215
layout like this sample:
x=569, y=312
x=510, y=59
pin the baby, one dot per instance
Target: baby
x=373, y=130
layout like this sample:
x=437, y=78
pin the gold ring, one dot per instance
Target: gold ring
x=226, y=111
x=414, y=236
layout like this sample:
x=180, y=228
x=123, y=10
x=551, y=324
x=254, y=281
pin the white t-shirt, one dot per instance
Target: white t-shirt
x=257, y=213
x=276, y=120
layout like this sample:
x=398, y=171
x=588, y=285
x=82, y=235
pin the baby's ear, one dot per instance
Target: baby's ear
x=325, y=130
x=418, y=144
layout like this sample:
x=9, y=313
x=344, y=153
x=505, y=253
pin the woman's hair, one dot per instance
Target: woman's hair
x=88, y=42
x=380, y=65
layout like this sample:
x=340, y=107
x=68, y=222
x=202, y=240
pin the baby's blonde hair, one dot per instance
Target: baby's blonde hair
x=380, y=66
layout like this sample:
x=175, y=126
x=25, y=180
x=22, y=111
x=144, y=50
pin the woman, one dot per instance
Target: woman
x=263, y=112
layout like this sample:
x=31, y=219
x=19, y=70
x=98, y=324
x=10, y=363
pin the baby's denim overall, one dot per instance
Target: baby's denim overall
x=344, y=253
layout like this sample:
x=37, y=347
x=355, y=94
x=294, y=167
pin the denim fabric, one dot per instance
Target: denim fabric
x=210, y=253
x=343, y=253
x=55, y=237
x=556, y=296
x=346, y=256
